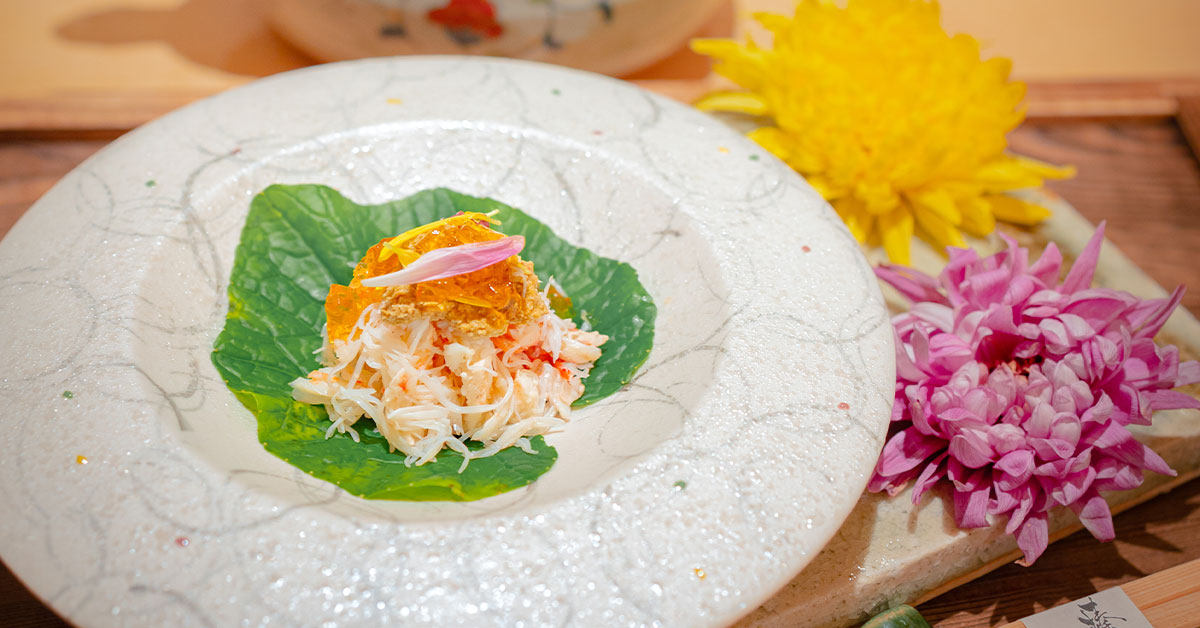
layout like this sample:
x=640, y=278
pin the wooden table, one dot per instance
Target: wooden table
x=1135, y=171
x=1138, y=174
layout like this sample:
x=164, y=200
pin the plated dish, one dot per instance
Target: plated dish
x=393, y=383
x=685, y=498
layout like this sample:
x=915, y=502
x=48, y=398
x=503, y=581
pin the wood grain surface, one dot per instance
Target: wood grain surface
x=1167, y=599
x=1135, y=171
x=1139, y=175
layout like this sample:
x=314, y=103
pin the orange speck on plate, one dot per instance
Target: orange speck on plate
x=806, y=248
x=843, y=406
x=699, y=573
x=80, y=459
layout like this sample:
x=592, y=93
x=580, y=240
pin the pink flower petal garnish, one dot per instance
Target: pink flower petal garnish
x=1015, y=391
x=450, y=261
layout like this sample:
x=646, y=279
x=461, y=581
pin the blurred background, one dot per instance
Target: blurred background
x=112, y=64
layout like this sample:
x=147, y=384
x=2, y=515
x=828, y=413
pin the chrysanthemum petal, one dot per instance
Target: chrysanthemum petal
x=905, y=451
x=940, y=203
x=777, y=24
x=970, y=506
x=1189, y=373
x=1000, y=68
x=1014, y=173
x=744, y=65
x=1045, y=270
x=1033, y=537
x=877, y=197
x=1114, y=475
x=1141, y=456
x=1043, y=169
x=874, y=100
x=1080, y=275
x=858, y=221
x=774, y=141
x=1073, y=486
x=1169, y=400
x=1149, y=327
x=1016, y=468
x=1017, y=211
x=930, y=476
x=1027, y=387
x=915, y=285
x=896, y=229
x=1094, y=514
x=977, y=218
x=937, y=230
x=741, y=102
x=971, y=449
x=824, y=187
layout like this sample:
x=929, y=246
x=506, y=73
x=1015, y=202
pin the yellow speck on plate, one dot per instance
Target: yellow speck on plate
x=395, y=101
x=699, y=573
x=80, y=459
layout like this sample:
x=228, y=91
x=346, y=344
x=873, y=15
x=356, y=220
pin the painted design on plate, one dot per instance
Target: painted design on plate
x=469, y=22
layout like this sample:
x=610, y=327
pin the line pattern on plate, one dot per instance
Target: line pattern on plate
x=734, y=455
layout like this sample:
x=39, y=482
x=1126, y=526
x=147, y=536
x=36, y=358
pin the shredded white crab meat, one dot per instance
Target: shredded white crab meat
x=427, y=389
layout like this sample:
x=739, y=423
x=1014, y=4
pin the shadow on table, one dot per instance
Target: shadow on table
x=1075, y=566
x=231, y=36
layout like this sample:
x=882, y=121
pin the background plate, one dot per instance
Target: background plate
x=686, y=499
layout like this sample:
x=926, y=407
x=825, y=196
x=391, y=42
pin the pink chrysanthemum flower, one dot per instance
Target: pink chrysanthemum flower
x=1016, y=390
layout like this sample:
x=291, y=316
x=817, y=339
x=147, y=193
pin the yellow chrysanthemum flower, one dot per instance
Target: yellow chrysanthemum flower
x=900, y=126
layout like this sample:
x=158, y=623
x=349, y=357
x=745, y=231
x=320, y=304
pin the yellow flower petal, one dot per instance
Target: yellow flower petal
x=978, y=220
x=900, y=125
x=743, y=65
x=1000, y=68
x=824, y=187
x=1045, y=170
x=774, y=141
x=879, y=198
x=858, y=221
x=896, y=229
x=778, y=25
x=939, y=202
x=741, y=102
x=1015, y=210
x=1014, y=173
x=936, y=230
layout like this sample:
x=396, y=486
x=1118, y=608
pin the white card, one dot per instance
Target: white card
x=1110, y=608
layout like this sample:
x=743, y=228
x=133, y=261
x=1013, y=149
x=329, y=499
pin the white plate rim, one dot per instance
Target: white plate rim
x=702, y=593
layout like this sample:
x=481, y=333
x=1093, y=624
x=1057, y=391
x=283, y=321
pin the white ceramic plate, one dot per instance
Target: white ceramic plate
x=686, y=499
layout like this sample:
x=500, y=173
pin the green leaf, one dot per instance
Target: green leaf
x=299, y=239
x=903, y=616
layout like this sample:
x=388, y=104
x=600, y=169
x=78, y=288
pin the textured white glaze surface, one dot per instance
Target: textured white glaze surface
x=685, y=500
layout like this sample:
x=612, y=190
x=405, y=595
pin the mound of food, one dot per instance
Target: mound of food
x=444, y=335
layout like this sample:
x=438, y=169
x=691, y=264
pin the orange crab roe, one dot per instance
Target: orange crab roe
x=489, y=288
